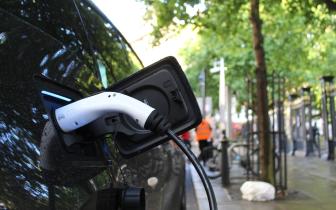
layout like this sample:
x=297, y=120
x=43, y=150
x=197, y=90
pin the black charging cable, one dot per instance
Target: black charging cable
x=160, y=125
x=193, y=159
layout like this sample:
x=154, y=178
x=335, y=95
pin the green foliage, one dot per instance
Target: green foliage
x=299, y=40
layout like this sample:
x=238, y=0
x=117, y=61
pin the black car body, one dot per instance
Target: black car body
x=72, y=43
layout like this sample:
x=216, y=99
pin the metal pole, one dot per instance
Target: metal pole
x=333, y=125
x=228, y=112
x=284, y=140
x=203, y=95
x=221, y=100
x=307, y=107
x=273, y=127
x=303, y=133
x=225, y=163
x=202, y=90
x=310, y=118
x=291, y=130
x=326, y=99
x=255, y=133
x=279, y=168
x=248, y=124
x=225, y=101
x=325, y=114
x=332, y=116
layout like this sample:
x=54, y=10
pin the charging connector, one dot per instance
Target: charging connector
x=82, y=112
x=85, y=111
x=157, y=123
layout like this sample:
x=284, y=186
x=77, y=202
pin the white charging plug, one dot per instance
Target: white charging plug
x=85, y=111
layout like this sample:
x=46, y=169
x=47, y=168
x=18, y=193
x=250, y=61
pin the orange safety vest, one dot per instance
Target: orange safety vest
x=203, y=131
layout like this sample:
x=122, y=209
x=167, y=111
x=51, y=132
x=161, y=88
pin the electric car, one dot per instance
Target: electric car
x=73, y=44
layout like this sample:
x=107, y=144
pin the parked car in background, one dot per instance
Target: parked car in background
x=72, y=43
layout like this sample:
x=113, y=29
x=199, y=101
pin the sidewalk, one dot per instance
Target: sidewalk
x=311, y=183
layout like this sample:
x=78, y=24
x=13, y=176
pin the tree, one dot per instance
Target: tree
x=298, y=37
x=266, y=154
x=166, y=13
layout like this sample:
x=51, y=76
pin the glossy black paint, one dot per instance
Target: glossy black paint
x=72, y=43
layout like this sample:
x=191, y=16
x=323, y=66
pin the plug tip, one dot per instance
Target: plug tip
x=157, y=123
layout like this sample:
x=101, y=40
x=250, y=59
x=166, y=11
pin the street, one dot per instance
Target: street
x=311, y=183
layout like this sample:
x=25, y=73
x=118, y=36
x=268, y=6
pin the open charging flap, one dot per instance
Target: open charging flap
x=53, y=94
x=164, y=86
x=65, y=162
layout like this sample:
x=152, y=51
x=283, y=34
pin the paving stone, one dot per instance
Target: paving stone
x=311, y=182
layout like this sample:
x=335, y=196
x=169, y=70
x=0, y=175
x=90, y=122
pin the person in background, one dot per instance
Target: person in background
x=203, y=134
x=186, y=138
x=316, y=138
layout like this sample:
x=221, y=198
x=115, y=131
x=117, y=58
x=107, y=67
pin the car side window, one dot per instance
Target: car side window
x=116, y=60
x=71, y=62
x=106, y=55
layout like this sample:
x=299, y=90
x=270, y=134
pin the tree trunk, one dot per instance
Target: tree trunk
x=265, y=143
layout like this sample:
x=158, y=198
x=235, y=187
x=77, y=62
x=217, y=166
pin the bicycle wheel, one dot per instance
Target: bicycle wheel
x=254, y=162
x=212, y=162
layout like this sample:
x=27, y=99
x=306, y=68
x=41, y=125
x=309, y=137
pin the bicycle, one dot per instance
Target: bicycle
x=212, y=163
x=246, y=157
